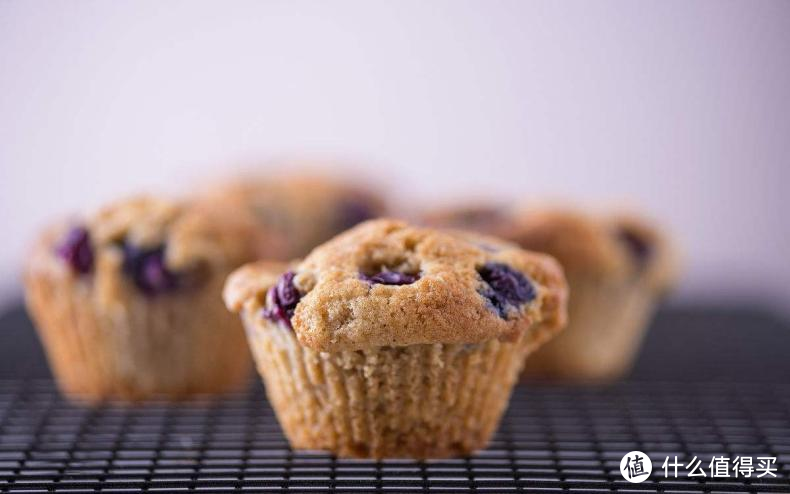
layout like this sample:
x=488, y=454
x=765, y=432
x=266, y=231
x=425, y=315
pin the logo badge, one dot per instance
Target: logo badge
x=636, y=467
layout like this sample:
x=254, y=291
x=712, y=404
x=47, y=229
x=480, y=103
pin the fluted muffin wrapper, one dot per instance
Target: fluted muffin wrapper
x=167, y=346
x=607, y=321
x=418, y=401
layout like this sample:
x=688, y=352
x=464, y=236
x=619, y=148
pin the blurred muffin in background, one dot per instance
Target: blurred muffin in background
x=128, y=301
x=617, y=267
x=302, y=211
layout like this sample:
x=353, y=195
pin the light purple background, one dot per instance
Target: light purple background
x=679, y=108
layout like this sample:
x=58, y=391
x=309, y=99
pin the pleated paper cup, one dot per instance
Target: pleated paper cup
x=418, y=401
x=170, y=346
x=607, y=322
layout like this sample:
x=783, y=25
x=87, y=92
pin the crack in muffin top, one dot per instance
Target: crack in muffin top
x=385, y=283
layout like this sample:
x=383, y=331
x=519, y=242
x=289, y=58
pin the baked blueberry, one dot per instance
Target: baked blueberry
x=147, y=269
x=76, y=250
x=354, y=211
x=390, y=278
x=281, y=300
x=637, y=245
x=505, y=287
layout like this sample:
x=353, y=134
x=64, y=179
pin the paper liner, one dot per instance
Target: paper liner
x=419, y=401
x=164, y=346
x=606, y=324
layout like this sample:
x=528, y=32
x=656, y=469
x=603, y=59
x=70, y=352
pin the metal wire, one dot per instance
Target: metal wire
x=553, y=439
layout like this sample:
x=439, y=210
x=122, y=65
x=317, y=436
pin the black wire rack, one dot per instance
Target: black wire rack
x=552, y=439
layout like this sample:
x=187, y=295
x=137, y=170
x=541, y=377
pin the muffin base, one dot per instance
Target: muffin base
x=606, y=325
x=418, y=401
x=169, y=346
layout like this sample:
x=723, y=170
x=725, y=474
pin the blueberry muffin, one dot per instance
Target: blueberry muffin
x=302, y=210
x=396, y=341
x=618, y=267
x=128, y=302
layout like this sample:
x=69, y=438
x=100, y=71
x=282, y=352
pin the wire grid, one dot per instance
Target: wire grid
x=552, y=439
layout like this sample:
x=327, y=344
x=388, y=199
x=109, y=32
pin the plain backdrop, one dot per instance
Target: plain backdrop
x=681, y=109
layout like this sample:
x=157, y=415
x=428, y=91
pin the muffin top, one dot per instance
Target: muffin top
x=618, y=247
x=152, y=244
x=385, y=283
x=304, y=209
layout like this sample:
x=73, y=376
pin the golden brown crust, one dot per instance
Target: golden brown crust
x=580, y=242
x=585, y=244
x=303, y=210
x=192, y=233
x=197, y=240
x=343, y=312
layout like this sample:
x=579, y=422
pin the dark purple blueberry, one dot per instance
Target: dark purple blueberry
x=287, y=293
x=354, y=211
x=281, y=300
x=505, y=287
x=147, y=269
x=76, y=250
x=390, y=278
x=637, y=245
x=496, y=303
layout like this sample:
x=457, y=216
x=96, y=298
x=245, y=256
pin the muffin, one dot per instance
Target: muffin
x=396, y=341
x=128, y=302
x=302, y=210
x=617, y=267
